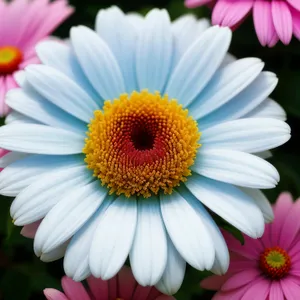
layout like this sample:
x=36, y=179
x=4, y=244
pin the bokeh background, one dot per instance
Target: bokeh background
x=23, y=276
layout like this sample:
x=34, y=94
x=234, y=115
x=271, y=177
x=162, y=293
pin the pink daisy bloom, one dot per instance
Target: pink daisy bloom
x=121, y=287
x=273, y=19
x=269, y=267
x=23, y=23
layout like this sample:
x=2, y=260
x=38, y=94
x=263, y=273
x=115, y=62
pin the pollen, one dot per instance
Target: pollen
x=141, y=144
x=10, y=59
x=275, y=262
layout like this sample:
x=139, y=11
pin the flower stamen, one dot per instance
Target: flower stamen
x=10, y=59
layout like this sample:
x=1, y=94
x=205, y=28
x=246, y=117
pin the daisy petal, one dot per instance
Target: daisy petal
x=35, y=201
x=61, y=91
x=198, y=64
x=276, y=292
x=262, y=285
x=290, y=289
x=295, y=4
x=16, y=117
x=187, y=231
x=52, y=294
x=40, y=139
x=67, y=216
x=74, y=290
x=235, y=167
x=148, y=255
x=11, y=157
x=55, y=254
x=97, y=62
x=228, y=202
x=154, y=51
x=113, y=238
x=262, y=134
x=173, y=275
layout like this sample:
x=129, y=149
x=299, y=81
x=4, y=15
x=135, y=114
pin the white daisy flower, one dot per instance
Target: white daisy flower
x=129, y=134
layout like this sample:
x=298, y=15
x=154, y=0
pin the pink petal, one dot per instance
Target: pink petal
x=240, y=279
x=3, y=152
x=263, y=22
x=4, y=109
x=126, y=283
x=29, y=230
x=266, y=239
x=154, y=293
x=232, y=295
x=282, y=19
x=294, y=3
x=295, y=249
x=52, y=294
x=74, y=290
x=276, y=291
x=98, y=287
x=141, y=293
x=260, y=289
x=281, y=208
x=290, y=289
x=214, y=282
x=295, y=268
x=296, y=22
x=112, y=288
x=164, y=297
x=230, y=12
x=290, y=227
x=195, y=3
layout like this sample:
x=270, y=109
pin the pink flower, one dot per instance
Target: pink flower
x=2, y=153
x=123, y=286
x=267, y=268
x=30, y=230
x=273, y=19
x=23, y=23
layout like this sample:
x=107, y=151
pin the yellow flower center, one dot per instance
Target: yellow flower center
x=10, y=58
x=141, y=144
x=275, y=262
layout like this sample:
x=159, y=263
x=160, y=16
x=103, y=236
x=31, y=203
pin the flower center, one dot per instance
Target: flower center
x=141, y=144
x=275, y=262
x=10, y=58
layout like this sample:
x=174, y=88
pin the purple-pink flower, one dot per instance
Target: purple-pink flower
x=23, y=23
x=123, y=286
x=267, y=268
x=273, y=19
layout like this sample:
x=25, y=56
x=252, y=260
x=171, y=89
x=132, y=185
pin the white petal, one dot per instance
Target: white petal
x=28, y=102
x=113, y=238
x=235, y=167
x=224, y=85
x=76, y=261
x=97, y=62
x=148, y=255
x=249, y=135
x=198, y=64
x=61, y=91
x=228, y=59
x=136, y=20
x=174, y=272
x=11, y=157
x=68, y=216
x=20, y=77
x=228, y=202
x=187, y=231
x=40, y=139
x=35, y=201
x=154, y=51
x=245, y=101
x=121, y=36
x=264, y=154
x=16, y=117
x=221, y=263
x=55, y=254
x=61, y=57
x=23, y=172
x=262, y=202
x=268, y=109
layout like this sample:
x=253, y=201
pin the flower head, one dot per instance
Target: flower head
x=123, y=286
x=273, y=20
x=128, y=132
x=267, y=267
x=36, y=19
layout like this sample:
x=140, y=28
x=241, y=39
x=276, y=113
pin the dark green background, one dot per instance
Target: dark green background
x=23, y=276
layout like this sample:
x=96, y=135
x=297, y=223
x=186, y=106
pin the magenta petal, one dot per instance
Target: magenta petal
x=282, y=19
x=230, y=12
x=29, y=230
x=74, y=290
x=214, y=282
x=195, y=3
x=126, y=284
x=263, y=22
x=260, y=289
x=294, y=3
x=141, y=292
x=52, y=294
x=296, y=22
x=276, y=291
x=290, y=289
x=240, y=279
x=164, y=297
x=4, y=109
x=98, y=287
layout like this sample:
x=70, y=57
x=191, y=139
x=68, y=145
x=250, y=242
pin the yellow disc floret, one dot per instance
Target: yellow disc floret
x=141, y=144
